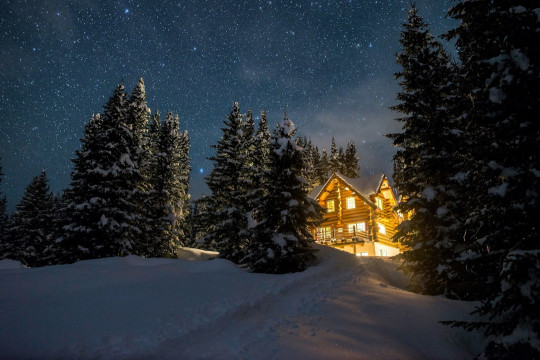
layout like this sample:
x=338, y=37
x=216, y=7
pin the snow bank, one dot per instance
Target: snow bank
x=11, y=264
x=196, y=254
x=123, y=308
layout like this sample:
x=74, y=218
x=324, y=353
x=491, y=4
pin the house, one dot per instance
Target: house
x=360, y=215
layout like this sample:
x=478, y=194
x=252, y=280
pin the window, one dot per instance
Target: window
x=379, y=203
x=382, y=229
x=330, y=206
x=350, y=203
x=383, y=252
x=363, y=253
x=323, y=233
x=355, y=228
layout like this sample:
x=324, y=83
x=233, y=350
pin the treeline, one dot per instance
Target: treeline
x=258, y=212
x=128, y=192
x=468, y=168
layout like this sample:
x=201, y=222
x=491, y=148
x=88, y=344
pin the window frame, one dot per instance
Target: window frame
x=330, y=208
x=353, y=202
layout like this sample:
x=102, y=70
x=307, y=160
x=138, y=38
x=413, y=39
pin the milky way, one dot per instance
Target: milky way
x=329, y=64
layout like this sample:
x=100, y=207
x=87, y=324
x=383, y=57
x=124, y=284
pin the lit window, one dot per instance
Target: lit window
x=379, y=203
x=364, y=253
x=355, y=228
x=323, y=233
x=382, y=229
x=330, y=206
x=350, y=203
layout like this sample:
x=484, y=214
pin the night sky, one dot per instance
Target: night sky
x=330, y=64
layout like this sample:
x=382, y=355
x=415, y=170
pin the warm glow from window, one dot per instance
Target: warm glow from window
x=382, y=229
x=357, y=227
x=330, y=206
x=379, y=203
x=351, y=203
x=323, y=233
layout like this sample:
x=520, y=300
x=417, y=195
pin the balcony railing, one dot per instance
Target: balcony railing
x=342, y=237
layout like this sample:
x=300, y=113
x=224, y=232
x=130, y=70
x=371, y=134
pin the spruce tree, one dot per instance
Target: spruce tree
x=168, y=201
x=137, y=119
x=4, y=219
x=351, y=168
x=498, y=48
x=31, y=224
x=228, y=204
x=425, y=162
x=323, y=168
x=334, y=159
x=103, y=217
x=283, y=242
x=261, y=159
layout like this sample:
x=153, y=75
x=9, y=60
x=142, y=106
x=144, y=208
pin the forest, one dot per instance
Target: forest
x=466, y=168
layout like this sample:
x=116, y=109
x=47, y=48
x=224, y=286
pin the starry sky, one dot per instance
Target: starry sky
x=330, y=64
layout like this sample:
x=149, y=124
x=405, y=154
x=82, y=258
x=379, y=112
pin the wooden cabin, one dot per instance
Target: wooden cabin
x=360, y=215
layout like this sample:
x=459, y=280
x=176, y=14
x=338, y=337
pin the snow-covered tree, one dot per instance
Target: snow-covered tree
x=228, y=206
x=102, y=215
x=425, y=162
x=260, y=164
x=31, y=224
x=498, y=46
x=283, y=242
x=167, y=205
x=3, y=220
x=137, y=119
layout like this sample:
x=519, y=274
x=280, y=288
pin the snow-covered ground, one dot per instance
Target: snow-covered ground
x=343, y=308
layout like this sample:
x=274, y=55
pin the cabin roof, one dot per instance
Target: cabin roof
x=364, y=186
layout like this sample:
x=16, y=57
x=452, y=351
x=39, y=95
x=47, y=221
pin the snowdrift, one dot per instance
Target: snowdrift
x=123, y=308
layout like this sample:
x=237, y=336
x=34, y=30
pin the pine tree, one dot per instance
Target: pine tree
x=311, y=159
x=323, y=168
x=284, y=243
x=498, y=48
x=4, y=219
x=424, y=162
x=351, y=168
x=137, y=119
x=168, y=201
x=261, y=160
x=228, y=204
x=30, y=228
x=334, y=160
x=103, y=217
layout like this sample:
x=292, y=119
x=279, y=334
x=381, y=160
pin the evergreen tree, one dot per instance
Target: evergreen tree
x=334, y=160
x=284, y=243
x=311, y=159
x=168, y=200
x=498, y=48
x=351, y=168
x=424, y=162
x=30, y=228
x=3, y=221
x=103, y=217
x=261, y=160
x=138, y=115
x=323, y=168
x=228, y=205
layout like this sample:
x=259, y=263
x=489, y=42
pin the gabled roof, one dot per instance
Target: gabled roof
x=364, y=186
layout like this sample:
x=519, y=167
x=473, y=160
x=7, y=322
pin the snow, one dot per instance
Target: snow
x=124, y=308
x=196, y=254
x=429, y=193
x=11, y=264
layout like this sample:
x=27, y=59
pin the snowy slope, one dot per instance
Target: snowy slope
x=343, y=308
